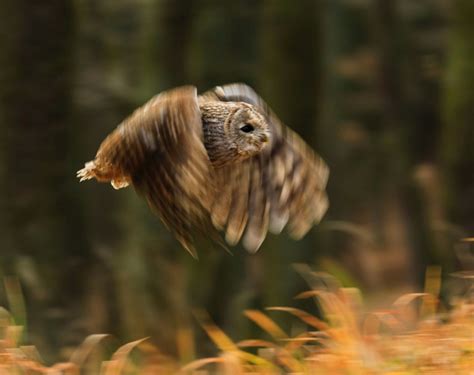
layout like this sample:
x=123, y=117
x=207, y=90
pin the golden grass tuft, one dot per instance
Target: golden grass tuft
x=411, y=336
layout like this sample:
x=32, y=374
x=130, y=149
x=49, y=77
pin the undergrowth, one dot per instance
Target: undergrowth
x=414, y=335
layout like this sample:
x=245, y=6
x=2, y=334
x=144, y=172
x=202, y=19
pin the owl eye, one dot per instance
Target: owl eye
x=247, y=128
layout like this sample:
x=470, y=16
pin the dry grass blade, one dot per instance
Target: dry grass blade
x=254, y=359
x=285, y=358
x=266, y=324
x=15, y=300
x=432, y=288
x=120, y=358
x=255, y=344
x=467, y=275
x=358, y=231
x=408, y=298
x=295, y=343
x=231, y=365
x=81, y=354
x=12, y=336
x=309, y=319
x=308, y=294
x=409, y=313
x=373, y=321
x=317, y=280
x=185, y=344
x=336, y=311
x=6, y=318
x=31, y=352
x=65, y=368
x=222, y=341
x=242, y=357
x=27, y=367
x=197, y=364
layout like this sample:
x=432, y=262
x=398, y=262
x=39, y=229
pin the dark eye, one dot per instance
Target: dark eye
x=247, y=128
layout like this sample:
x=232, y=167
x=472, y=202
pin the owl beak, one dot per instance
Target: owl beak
x=264, y=138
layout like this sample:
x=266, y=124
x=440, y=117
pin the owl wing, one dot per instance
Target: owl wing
x=160, y=147
x=282, y=186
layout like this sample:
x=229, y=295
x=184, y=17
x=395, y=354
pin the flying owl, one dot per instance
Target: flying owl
x=220, y=161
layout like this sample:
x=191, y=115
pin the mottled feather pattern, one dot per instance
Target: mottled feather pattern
x=199, y=171
x=292, y=177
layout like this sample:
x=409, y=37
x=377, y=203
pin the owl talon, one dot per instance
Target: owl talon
x=86, y=173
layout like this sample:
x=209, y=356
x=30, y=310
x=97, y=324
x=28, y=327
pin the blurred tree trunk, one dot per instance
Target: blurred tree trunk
x=147, y=264
x=344, y=123
x=409, y=99
x=457, y=137
x=393, y=154
x=172, y=38
x=375, y=112
x=223, y=49
x=289, y=81
x=44, y=237
x=115, y=75
x=350, y=126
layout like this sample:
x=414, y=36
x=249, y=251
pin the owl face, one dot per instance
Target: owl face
x=248, y=130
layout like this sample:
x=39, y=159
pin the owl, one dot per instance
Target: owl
x=216, y=162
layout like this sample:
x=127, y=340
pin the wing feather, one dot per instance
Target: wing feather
x=160, y=147
x=238, y=212
x=285, y=187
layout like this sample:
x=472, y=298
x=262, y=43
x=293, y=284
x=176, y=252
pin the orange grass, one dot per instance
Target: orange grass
x=411, y=336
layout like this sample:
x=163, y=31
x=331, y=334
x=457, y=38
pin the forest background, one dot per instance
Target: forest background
x=382, y=89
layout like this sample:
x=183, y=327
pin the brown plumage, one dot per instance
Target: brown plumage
x=221, y=160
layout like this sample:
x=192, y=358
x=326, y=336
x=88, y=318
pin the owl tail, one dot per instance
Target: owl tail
x=92, y=170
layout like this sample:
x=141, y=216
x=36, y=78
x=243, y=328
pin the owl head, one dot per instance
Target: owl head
x=248, y=130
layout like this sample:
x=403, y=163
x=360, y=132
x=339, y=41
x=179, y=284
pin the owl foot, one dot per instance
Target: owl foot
x=119, y=183
x=91, y=170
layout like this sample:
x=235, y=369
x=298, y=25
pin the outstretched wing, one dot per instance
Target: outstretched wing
x=282, y=186
x=160, y=147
